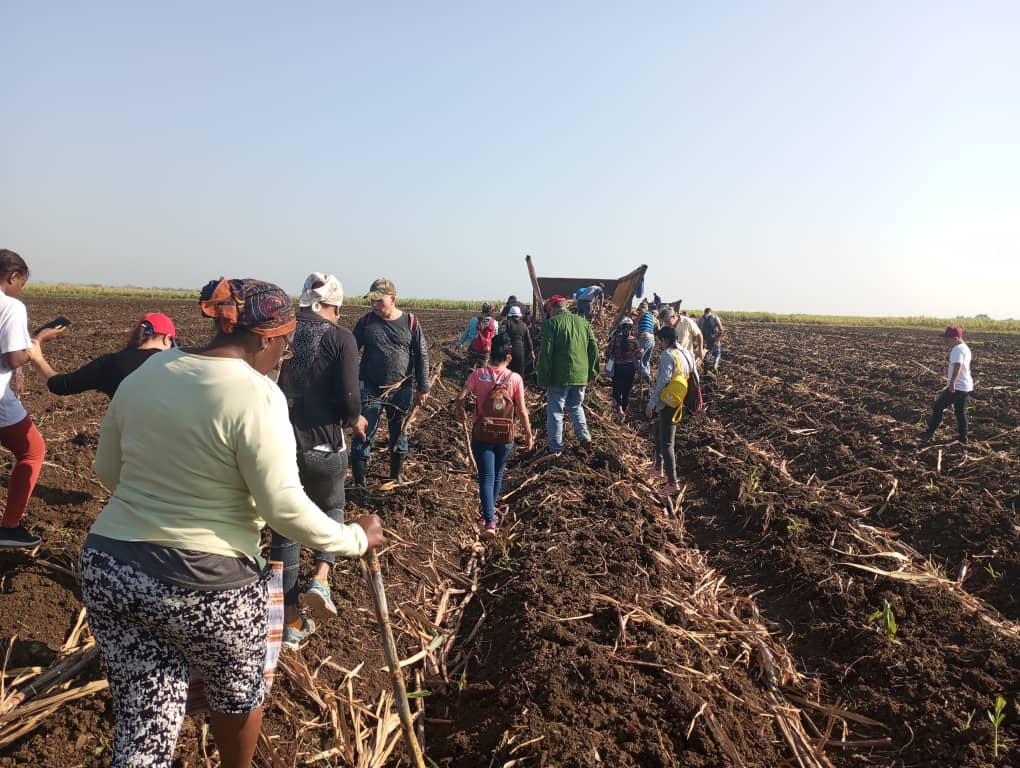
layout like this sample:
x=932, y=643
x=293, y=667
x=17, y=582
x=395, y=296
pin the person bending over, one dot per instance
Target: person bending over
x=153, y=333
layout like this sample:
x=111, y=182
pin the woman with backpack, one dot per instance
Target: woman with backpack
x=623, y=350
x=522, y=348
x=499, y=399
x=478, y=336
x=674, y=363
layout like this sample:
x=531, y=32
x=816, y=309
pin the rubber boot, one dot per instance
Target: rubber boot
x=396, y=466
x=359, y=469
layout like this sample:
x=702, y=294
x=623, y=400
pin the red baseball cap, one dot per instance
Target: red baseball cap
x=953, y=332
x=554, y=300
x=159, y=323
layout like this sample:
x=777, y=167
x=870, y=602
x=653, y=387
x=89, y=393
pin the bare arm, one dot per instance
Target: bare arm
x=952, y=377
x=461, y=399
x=41, y=365
x=17, y=358
x=522, y=413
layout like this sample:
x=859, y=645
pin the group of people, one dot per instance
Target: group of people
x=201, y=449
x=567, y=362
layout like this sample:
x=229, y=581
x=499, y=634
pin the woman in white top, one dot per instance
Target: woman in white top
x=17, y=432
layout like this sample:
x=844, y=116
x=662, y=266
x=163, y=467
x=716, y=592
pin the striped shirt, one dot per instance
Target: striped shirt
x=647, y=323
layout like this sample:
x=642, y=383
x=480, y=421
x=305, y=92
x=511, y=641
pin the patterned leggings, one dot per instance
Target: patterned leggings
x=150, y=633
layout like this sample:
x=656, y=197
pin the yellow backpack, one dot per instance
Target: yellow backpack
x=673, y=394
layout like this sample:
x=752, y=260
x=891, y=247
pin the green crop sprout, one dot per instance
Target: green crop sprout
x=997, y=716
x=996, y=575
x=887, y=619
x=966, y=725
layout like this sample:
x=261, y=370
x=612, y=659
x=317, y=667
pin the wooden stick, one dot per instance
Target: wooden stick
x=413, y=410
x=373, y=576
x=61, y=671
x=470, y=453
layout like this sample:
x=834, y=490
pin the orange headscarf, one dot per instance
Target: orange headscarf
x=252, y=305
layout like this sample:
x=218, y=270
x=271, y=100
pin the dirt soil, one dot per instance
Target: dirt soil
x=605, y=627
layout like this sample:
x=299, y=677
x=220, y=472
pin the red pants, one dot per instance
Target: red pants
x=25, y=442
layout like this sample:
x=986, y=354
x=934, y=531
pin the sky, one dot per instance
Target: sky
x=822, y=157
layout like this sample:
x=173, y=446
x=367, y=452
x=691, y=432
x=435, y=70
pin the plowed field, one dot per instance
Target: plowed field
x=730, y=627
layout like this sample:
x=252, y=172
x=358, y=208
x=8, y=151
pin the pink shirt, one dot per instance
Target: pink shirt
x=481, y=383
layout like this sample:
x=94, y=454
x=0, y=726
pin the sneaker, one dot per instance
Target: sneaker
x=317, y=601
x=293, y=638
x=17, y=538
x=669, y=488
x=926, y=437
x=490, y=531
x=654, y=470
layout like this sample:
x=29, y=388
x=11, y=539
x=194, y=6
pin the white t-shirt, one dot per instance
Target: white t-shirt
x=960, y=354
x=686, y=330
x=14, y=337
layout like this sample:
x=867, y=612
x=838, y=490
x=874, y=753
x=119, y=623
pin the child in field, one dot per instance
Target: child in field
x=959, y=385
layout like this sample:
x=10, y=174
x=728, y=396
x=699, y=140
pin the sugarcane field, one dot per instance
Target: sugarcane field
x=823, y=586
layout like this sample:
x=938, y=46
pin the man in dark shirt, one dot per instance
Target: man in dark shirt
x=712, y=330
x=394, y=360
x=320, y=381
x=511, y=302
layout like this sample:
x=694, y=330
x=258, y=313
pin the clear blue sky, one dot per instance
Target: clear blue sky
x=852, y=158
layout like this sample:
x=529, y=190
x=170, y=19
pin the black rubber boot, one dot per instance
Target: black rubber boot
x=359, y=470
x=396, y=466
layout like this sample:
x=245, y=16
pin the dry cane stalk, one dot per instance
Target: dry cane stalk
x=467, y=442
x=413, y=410
x=373, y=576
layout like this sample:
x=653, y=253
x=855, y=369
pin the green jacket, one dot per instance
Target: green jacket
x=569, y=354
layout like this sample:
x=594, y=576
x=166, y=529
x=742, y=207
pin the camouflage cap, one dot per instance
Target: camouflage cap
x=381, y=287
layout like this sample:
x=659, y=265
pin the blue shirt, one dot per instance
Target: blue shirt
x=647, y=323
x=590, y=293
x=472, y=330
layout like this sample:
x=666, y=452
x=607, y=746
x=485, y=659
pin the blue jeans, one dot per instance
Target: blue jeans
x=570, y=398
x=491, y=460
x=373, y=403
x=646, y=342
x=713, y=349
x=665, y=443
x=322, y=477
